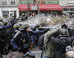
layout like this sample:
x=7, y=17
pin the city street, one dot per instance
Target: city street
x=36, y=51
x=32, y=25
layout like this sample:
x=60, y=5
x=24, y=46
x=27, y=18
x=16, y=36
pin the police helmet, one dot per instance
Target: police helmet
x=5, y=22
x=16, y=26
x=24, y=26
x=1, y=19
x=1, y=24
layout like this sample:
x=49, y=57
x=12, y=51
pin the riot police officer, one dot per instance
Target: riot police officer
x=1, y=42
x=16, y=27
x=21, y=40
x=6, y=35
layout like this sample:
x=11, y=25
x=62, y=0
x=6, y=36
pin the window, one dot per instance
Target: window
x=4, y=2
x=5, y=13
x=12, y=2
x=66, y=9
x=72, y=9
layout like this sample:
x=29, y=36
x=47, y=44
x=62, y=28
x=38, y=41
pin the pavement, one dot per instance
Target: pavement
x=37, y=52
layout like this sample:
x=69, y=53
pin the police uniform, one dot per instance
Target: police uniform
x=23, y=35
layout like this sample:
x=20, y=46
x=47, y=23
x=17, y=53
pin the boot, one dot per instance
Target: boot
x=32, y=46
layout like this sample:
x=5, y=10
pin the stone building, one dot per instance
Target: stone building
x=9, y=8
x=68, y=6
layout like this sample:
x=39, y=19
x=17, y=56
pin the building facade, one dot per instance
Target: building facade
x=37, y=0
x=67, y=5
x=66, y=2
x=40, y=3
x=9, y=8
x=46, y=1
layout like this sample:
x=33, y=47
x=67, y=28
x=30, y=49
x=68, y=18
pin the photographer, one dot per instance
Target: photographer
x=61, y=41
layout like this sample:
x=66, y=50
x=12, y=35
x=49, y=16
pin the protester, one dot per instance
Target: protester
x=20, y=37
x=49, y=47
x=23, y=17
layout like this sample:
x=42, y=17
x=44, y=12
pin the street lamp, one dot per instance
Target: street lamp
x=38, y=7
x=34, y=1
x=28, y=7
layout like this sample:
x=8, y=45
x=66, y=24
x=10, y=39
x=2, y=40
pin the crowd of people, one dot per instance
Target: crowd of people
x=16, y=37
x=59, y=43
x=54, y=43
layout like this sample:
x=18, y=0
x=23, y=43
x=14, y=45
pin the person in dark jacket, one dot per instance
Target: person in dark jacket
x=70, y=31
x=61, y=42
x=1, y=43
x=2, y=40
x=60, y=46
x=6, y=36
x=21, y=40
x=23, y=17
x=3, y=37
